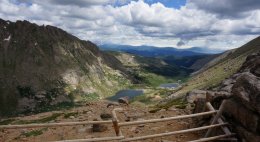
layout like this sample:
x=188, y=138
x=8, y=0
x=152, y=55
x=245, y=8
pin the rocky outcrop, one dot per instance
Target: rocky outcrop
x=106, y=116
x=243, y=109
x=112, y=104
x=242, y=117
x=242, y=93
x=123, y=100
x=194, y=95
x=98, y=127
x=252, y=64
x=247, y=90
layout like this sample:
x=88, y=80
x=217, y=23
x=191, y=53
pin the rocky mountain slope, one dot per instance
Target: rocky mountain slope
x=44, y=65
x=220, y=68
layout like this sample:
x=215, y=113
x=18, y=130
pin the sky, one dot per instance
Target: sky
x=221, y=24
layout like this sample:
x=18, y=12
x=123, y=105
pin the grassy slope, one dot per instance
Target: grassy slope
x=224, y=68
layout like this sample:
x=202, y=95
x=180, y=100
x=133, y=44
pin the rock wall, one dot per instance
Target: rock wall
x=242, y=92
x=243, y=108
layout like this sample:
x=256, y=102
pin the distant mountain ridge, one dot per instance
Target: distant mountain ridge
x=205, y=50
x=192, y=58
x=152, y=51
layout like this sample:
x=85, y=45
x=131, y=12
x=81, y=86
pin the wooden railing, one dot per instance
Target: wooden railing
x=216, y=122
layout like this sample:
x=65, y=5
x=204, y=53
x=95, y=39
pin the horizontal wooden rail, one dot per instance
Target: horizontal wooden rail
x=54, y=124
x=213, y=138
x=172, y=133
x=116, y=124
x=94, y=139
x=167, y=119
x=103, y=122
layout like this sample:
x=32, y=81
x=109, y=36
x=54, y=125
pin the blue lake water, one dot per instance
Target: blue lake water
x=131, y=93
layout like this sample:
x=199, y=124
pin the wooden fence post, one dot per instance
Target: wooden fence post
x=219, y=113
x=220, y=121
x=116, y=127
x=115, y=121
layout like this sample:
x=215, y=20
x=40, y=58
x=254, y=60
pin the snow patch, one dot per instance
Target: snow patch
x=7, y=39
x=4, y=27
x=35, y=43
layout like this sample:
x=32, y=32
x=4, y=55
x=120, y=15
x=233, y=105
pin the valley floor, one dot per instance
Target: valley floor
x=92, y=111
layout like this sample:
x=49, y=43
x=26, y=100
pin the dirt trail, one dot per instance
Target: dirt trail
x=93, y=111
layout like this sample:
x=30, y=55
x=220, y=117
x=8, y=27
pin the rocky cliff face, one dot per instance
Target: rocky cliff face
x=242, y=92
x=243, y=108
x=44, y=65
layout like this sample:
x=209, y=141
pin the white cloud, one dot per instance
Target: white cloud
x=138, y=23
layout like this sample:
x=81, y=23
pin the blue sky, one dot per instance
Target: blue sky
x=169, y=3
x=222, y=24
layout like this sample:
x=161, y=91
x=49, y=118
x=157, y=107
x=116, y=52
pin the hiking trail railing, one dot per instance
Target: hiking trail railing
x=215, y=123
